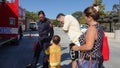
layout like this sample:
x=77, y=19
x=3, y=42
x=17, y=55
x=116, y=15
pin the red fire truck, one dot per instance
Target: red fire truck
x=12, y=17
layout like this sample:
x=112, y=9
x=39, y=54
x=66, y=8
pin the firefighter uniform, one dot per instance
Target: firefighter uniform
x=54, y=52
x=45, y=30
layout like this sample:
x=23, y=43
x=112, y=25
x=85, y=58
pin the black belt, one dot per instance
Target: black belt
x=89, y=58
x=43, y=35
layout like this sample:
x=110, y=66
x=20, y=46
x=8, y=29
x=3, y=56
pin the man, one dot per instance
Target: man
x=45, y=30
x=72, y=26
x=20, y=32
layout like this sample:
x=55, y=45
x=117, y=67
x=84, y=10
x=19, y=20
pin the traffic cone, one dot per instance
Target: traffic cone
x=30, y=35
x=35, y=46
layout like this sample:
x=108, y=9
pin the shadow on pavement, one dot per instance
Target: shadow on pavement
x=67, y=65
x=65, y=56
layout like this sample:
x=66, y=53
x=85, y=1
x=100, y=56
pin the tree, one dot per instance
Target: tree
x=107, y=13
x=54, y=22
x=82, y=21
x=116, y=8
x=77, y=15
x=101, y=6
x=31, y=15
x=35, y=16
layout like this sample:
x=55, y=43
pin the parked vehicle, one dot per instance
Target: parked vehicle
x=33, y=26
x=12, y=21
x=83, y=27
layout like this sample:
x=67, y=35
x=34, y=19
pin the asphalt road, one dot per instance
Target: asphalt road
x=12, y=56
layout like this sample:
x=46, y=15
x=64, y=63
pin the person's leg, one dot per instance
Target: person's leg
x=37, y=54
x=74, y=63
x=73, y=55
x=21, y=35
x=100, y=65
x=54, y=66
x=58, y=66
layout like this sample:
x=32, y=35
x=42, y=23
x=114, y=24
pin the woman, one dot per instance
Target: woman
x=91, y=40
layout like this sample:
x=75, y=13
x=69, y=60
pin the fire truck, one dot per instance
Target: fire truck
x=12, y=21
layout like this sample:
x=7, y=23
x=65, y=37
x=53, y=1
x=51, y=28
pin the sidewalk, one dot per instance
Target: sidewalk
x=114, y=46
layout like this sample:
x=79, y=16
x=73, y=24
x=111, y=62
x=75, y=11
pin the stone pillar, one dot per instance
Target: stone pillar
x=117, y=34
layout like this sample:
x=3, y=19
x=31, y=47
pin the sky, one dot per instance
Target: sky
x=53, y=7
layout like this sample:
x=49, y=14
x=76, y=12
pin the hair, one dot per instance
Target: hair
x=71, y=45
x=41, y=12
x=60, y=14
x=91, y=11
x=56, y=39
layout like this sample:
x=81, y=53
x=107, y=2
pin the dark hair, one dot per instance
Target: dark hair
x=60, y=14
x=41, y=12
x=71, y=45
x=91, y=11
x=56, y=39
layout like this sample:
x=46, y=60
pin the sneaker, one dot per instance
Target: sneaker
x=29, y=66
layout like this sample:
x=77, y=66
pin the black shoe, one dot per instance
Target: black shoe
x=45, y=65
x=29, y=66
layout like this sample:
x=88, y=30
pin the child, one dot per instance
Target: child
x=54, y=52
x=73, y=54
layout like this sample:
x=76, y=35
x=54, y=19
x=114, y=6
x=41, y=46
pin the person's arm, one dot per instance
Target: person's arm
x=90, y=38
x=65, y=31
x=66, y=24
x=47, y=51
x=59, y=55
x=51, y=31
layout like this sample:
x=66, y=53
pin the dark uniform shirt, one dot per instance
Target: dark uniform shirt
x=45, y=29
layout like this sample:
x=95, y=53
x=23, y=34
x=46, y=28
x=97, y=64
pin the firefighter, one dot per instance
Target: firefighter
x=46, y=32
x=20, y=31
x=54, y=52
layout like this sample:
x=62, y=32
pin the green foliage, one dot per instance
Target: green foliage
x=82, y=21
x=116, y=7
x=32, y=16
x=107, y=13
x=101, y=6
x=77, y=15
x=54, y=22
x=98, y=1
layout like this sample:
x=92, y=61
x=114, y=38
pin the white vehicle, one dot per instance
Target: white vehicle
x=83, y=28
x=33, y=26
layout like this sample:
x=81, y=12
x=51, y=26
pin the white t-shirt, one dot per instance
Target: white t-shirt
x=72, y=25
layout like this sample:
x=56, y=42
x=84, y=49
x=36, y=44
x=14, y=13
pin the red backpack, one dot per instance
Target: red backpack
x=105, y=48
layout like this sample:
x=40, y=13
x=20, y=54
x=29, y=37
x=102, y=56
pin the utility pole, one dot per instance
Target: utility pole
x=119, y=11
